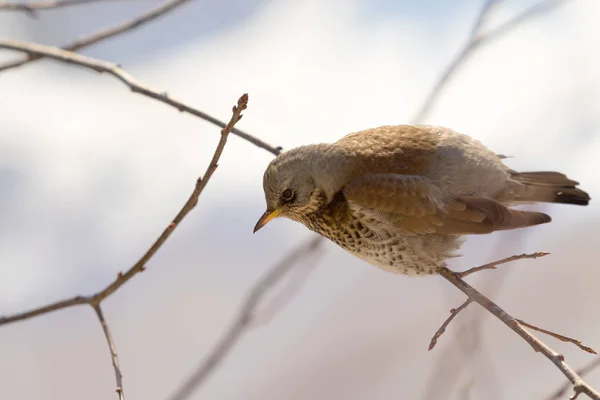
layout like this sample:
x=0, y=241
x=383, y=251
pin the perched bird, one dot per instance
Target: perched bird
x=401, y=197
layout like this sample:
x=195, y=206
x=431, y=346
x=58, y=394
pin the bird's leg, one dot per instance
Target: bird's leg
x=494, y=264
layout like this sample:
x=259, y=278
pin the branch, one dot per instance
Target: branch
x=442, y=329
x=135, y=85
x=95, y=299
x=586, y=369
x=560, y=337
x=579, y=385
x=475, y=41
x=113, y=351
x=104, y=34
x=31, y=7
x=494, y=264
x=233, y=334
x=139, y=266
x=245, y=317
x=464, y=305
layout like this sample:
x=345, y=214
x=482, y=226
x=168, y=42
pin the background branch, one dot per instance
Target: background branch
x=586, y=369
x=103, y=34
x=245, y=317
x=33, y=6
x=475, y=41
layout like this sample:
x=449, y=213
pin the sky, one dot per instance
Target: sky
x=91, y=173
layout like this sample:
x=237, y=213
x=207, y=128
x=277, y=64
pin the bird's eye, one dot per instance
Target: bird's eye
x=287, y=195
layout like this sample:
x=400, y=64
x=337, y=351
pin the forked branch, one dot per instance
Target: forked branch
x=579, y=385
x=493, y=265
x=477, y=38
x=96, y=37
x=94, y=300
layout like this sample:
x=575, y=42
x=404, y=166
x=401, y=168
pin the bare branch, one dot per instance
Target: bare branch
x=586, y=369
x=475, y=41
x=562, y=338
x=494, y=264
x=470, y=48
x=135, y=85
x=122, y=278
x=536, y=10
x=75, y=301
x=442, y=329
x=579, y=385
x=481, y=18
x=103, y=34
x=33, y=6
x=113, y=351
x=245, y=317
x=95, y=299
x=464, y=305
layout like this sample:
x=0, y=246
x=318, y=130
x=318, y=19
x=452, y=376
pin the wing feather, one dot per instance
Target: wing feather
x=416, y=205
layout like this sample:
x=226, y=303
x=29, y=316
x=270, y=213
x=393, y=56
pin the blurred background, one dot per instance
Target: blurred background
x=91, y=173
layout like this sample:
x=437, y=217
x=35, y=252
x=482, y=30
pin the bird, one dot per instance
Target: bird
x=403, y=197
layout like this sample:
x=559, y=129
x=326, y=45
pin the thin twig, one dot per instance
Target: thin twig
x=119, y=73
x=113, y=351
x=494, y=264
x=476, y=40
x=538, y=9
x=442, y=329
x=139, y=266
x=464, y=305
x=586, y=369
x=579, y=385
x=555, y=335
x=245, y=317
x=104, y=34
x=33, y=6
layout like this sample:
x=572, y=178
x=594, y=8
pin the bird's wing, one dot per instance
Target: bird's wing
x=417, y=206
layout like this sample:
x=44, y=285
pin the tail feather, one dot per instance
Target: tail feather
x=549, y=187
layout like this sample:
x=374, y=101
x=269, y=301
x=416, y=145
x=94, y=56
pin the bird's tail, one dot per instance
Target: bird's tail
x=549, y=187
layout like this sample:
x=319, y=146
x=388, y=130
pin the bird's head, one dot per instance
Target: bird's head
x=290, y=188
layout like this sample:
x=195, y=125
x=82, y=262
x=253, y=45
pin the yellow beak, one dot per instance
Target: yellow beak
x=266, y=217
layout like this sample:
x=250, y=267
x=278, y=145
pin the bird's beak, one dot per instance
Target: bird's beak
x=266, y=217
